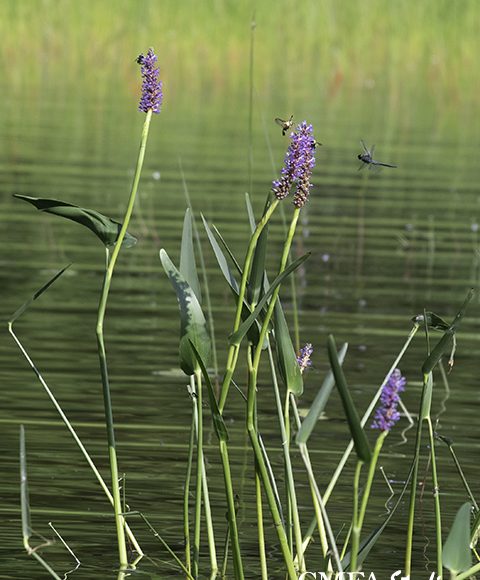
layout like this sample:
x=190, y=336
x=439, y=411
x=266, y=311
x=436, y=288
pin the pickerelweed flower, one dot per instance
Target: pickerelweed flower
x=387, y=415
x=303, y=358
x=298, y=165
x=152, y=95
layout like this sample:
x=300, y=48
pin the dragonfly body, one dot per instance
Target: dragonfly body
x=367, y=158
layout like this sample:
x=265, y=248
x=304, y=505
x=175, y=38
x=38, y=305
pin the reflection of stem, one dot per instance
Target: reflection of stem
x=76, y=438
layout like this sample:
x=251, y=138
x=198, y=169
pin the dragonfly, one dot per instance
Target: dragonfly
x=367, y=158
x=285, y=125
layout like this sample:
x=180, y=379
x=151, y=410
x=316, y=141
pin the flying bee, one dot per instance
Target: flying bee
x=285, y=125
x=139, y=59
x=316, y=144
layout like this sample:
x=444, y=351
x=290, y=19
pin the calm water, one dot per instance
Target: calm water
x=384, y=246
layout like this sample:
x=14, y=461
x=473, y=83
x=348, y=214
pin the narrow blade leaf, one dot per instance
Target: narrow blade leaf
x=457, y=556
x=257, y=272
x=102, y=226
x=193, y=326
x=221, y=259
x=360, y=440
x=237, y=336
x=319, y=402
x=218, y=422
x=287, y=358
x=36, y=295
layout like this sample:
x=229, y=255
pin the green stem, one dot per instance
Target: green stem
x=413, y=486
x=232, y=518
x=119, y=521
x=198, y=489
x=312, y=483
x=357, y=530
x=252, y=432
x=284, y=422
x=355, y=521
x=273, y=299
x=261, y=534
x=186, y=490
x=233, y=350
x=436, y=496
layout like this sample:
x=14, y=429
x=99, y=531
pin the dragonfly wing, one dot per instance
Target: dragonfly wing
x=362, y=142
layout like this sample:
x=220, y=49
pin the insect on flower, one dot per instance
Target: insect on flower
x=285, y=125
x=139, y=59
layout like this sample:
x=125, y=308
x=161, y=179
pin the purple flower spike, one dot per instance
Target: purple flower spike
x=152, y=95
x=303, y=358
x=298, y=165
x=387, y=415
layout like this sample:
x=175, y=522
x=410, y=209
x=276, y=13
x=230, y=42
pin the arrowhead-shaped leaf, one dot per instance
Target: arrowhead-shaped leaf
x=193, y=327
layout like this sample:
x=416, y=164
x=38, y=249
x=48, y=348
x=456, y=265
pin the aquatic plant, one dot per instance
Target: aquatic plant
x=261, y=325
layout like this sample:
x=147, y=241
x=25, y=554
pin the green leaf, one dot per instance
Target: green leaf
x=319, y=402
x=443, y=345
x=257, y=272
x=457, y=556
x=193, y=327
x=102, y=226
x=253, y=334
x=237, y=336
x=287, y=357
x=188, y=267
x=360, y=440
x=221, y=259
x=36, y=295
x=218, y=422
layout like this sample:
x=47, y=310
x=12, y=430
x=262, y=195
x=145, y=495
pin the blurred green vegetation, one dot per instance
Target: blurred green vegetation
x=327, y=47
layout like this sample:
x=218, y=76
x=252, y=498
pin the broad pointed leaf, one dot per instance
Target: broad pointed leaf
x=188, y=267
x=102, y=226
x=457, y=556
x=193, y=326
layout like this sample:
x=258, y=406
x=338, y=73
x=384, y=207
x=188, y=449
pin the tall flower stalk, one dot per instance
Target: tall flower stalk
x=150, y=103
x=297, y=170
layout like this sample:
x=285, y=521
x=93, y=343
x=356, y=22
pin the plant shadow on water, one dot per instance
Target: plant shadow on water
x=267, y=493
